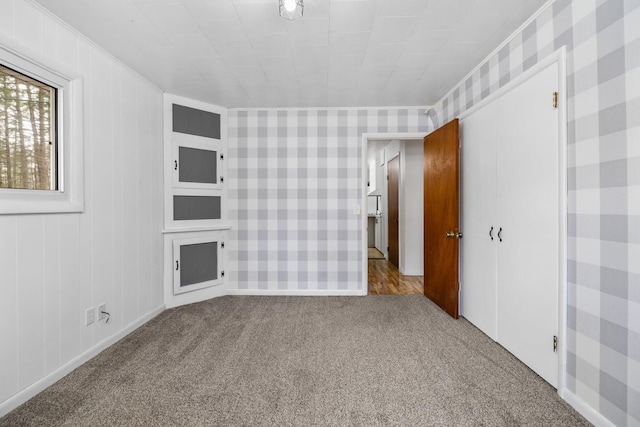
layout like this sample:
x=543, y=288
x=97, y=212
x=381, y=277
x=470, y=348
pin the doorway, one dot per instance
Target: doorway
x=399, y=271
x=385, y=279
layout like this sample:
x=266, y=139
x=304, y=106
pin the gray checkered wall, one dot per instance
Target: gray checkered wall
x=602, y=39
x=295, y=177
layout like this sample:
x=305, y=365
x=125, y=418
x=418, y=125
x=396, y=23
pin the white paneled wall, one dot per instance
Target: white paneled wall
x=53, y=267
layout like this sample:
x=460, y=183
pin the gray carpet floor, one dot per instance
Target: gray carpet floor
x=375, y=360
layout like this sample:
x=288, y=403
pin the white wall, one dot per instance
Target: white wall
x=53, y=267
x=373, y=153
x=391, y=150
x=411, y=208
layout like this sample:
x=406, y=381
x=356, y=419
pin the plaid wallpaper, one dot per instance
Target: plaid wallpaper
x=294, y=181
x=602, y=39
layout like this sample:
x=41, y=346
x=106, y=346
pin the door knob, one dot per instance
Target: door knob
x=453, y=235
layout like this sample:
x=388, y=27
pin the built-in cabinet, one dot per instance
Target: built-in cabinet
x=195, y=200
x=198, y=261
x=511, y=218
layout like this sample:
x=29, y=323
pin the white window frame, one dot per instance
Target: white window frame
x=69, y=196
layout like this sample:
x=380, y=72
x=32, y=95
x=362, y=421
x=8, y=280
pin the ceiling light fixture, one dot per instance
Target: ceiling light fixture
x=291, y=9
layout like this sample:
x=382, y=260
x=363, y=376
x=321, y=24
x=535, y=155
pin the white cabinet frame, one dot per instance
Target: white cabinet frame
x=214, y=237
x=200, y=143
x=178, y=233
x=172, y=143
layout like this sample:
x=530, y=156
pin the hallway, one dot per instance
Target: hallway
x=385, y=279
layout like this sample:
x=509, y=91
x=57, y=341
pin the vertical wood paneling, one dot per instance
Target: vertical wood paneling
x=28, y=28
x=71, y=306
x=30, y=301
x=7, y=18
x=116, y=192
x=51, y=292
x=68, y=48
x=101, y=159
x=49, y=42
x=8, y=308
x=85, y=265
x=155, y=160
x=129, y=214
x=54, y=267
x=145, y=209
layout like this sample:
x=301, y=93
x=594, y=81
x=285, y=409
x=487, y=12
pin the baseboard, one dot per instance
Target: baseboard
x=410, y=272
x=295, y=292
x=593, y=416
x=40, y=385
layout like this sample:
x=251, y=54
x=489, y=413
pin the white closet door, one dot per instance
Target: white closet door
x=478, y=195
x=527, y=187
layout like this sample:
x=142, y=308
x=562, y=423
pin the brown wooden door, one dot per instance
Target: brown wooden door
x=392, y=197
x=441, y=204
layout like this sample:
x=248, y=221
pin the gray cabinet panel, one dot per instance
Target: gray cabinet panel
x=197, y=165
x=198, y=263
x=196, y=122
x=187, y=208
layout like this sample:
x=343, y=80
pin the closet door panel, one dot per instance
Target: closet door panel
x=527, y=208
x=478, y=251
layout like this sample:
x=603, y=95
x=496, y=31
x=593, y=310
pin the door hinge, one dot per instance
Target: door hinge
x=555, y=343
x=222, y=245
x=387, y=177
x=555, y=99
x=387, y=248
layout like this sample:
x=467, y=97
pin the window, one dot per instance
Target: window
x=41, y=134
x=27, y=132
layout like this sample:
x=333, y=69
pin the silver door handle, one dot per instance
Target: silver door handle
x=453, y=235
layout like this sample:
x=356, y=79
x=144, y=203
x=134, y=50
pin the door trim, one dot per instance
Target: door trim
x=559, y=57
x=366, y=137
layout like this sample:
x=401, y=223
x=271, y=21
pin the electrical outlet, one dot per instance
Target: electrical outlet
x=90, y=316
x=102, y=309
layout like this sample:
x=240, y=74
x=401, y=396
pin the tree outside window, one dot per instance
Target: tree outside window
x=27, y=132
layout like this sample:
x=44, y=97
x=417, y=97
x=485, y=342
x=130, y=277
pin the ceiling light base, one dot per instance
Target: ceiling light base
x=291, y=9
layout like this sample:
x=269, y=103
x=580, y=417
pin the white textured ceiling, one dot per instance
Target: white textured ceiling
x=341, y=53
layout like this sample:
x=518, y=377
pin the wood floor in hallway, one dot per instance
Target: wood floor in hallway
x=385, y=279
